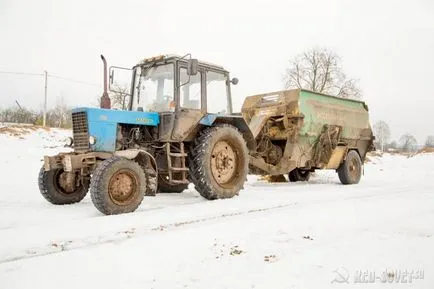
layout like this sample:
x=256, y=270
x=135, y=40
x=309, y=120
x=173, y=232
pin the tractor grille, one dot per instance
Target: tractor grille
x=80, y=131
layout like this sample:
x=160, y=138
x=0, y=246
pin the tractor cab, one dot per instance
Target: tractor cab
x=177, y=88
x=175, y=125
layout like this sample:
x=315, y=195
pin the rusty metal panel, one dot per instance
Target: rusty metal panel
x=73, y=161
x=257, y=109
x=320, y=109
x=313, y=129
x=185, y=122
x=337, y=157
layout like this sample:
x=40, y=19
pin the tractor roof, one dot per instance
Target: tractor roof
x=178, y=57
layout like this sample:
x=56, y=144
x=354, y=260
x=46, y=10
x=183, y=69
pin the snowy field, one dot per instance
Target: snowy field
x=319, y=234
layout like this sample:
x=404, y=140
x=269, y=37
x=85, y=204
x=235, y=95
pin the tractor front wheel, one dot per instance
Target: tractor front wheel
x=61, y=188
x=118, y=186
x=219, y=162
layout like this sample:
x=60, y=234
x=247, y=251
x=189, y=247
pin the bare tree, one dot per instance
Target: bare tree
x=59, y=116
x=382, y=133
x=408, y=143
x=393, y=145
x=18, y=115
x=430, y=141
x=320, y=70
x=119, y=96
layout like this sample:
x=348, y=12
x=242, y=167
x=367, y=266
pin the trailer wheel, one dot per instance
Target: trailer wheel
x=219, y=162
x=55, y=189
x=117, y=186
x=298, y=175
x=165, y=187
x=350, y=171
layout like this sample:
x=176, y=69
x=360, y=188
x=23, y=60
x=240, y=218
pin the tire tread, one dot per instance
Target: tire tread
x=48, y=191
x=197, y=160
x=98, y=178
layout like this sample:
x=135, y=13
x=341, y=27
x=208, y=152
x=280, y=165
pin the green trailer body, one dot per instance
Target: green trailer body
x=305, y=130
x=320, y=109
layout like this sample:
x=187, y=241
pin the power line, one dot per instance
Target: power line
x=72, y=80
x=22, y=73
x=49, y=75
x=46, y=76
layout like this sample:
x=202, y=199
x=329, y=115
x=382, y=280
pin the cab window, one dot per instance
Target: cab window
x=154, y=89
x=190, y=90
x=217, y=101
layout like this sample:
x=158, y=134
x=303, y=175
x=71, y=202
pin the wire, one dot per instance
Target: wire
x=22, y=73
x=72, y=80
x=49, y=75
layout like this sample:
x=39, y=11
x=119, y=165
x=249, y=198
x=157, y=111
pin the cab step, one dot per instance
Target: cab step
x=177, y=174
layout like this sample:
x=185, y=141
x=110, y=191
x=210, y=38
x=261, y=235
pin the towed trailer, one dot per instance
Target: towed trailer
x=298, y=131
x=179, y=128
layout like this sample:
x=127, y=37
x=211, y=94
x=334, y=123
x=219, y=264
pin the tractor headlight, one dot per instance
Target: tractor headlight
x=92, y=140
x=69, y=141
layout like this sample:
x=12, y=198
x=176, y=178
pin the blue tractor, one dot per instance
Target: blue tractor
x=176, y=126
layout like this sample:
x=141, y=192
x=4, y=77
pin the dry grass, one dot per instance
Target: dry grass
x=425, y=150
x=20, y=129
x=372, y=154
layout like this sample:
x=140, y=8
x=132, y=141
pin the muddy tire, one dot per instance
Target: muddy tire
x=350, y=171
x=219, y=162
x=298, y=175
x=117, y=186
x=50, y=186
x=165, y=187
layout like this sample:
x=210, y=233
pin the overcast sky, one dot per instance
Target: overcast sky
x=388, y=45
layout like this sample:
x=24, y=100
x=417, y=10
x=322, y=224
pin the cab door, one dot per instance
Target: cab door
x=190, y=99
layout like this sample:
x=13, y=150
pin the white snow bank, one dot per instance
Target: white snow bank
x=271, y=236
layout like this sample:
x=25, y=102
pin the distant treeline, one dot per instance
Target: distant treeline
x=60, y=116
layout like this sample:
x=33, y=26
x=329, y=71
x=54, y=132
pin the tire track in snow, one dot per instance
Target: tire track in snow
x=64, y=246
x=151, y=207
x=68, y=245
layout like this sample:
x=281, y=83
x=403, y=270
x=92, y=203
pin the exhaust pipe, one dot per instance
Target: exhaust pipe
x=105, y=99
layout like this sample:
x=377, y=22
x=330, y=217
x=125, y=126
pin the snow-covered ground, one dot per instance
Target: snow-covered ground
x=319, y=234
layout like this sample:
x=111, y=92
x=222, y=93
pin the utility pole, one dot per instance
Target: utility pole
x=45, y=99
x=382, y=141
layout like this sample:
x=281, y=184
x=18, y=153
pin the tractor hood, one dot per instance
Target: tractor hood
x=120, y=116
x=101, y=124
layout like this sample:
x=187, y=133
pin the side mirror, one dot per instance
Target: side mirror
x=234, y=81
x=121, y=81
x=112, y=75
x=192, y=66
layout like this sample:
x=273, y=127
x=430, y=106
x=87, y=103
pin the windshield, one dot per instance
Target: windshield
x=154, y=88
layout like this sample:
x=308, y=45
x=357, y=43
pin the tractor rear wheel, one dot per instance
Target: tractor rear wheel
x=165, y=187
x=118, y=186
x=350, y=171
x=219, y=162
x=56, y=187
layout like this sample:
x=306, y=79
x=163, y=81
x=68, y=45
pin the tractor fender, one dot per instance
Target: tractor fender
x=148, y=164
x=132, y=154
x=235, y=120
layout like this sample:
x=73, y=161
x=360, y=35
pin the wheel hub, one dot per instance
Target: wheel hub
x=123, y=186
x=66, y=182
x=223, y=162
x=353, y=168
